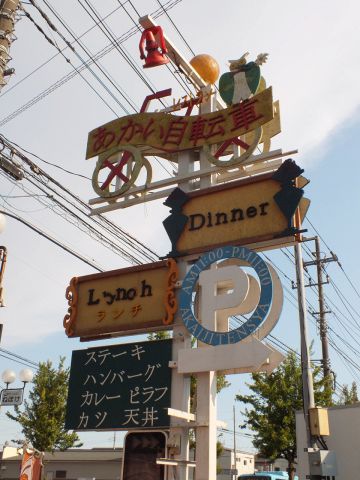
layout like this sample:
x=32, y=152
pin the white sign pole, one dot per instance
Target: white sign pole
x=180, y=384
x=206, y=381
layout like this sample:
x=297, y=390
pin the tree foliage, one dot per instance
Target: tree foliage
x=274, y=400
x=162, y=335
x=349, y=396
x=43, y=415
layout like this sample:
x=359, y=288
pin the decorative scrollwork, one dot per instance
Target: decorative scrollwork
x=170, y=301
x=71, y=295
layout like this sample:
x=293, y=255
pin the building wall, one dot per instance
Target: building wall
x=104, y=464
x=344, y=439
x=266, y=465
x=245, y=463
x=99, y=470
x=72, y=464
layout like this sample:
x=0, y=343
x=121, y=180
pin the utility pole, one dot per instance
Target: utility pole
x=323, y=328
x=307, y=380
x=8, y=10
x=308, y=389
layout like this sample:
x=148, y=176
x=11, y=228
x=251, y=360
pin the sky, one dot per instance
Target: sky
x=312, y=66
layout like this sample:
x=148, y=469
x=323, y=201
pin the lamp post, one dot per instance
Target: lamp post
x=14, y=396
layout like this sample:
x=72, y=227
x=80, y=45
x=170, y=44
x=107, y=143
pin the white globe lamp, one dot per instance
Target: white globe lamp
x=8, y=376
x=26, y=375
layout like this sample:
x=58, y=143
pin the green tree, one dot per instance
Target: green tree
x=275, y=398
x=43, y=415
x=349, y=396
x=163, y=335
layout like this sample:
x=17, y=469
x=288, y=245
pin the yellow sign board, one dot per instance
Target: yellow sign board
x=122, y=302
x=243, y=212
x=172, y=133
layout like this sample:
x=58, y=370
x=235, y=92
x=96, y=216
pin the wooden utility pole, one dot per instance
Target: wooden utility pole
x=323, y=328
x=322, y=317
x=7, y=26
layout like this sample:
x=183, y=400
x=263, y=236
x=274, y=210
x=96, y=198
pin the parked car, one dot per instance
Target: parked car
x=266, y=476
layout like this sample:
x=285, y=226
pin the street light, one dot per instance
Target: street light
x=14, y=396
x=8, y=376
x=26, y=375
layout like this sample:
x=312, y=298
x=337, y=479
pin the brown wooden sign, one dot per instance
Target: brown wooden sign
x=248, y=211
x=172, y=133
x=122, y=302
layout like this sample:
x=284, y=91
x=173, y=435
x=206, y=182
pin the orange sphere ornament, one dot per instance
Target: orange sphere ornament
x=206, y=66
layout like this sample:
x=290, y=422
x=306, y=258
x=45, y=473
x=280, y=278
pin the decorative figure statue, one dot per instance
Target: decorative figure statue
x=243, y=80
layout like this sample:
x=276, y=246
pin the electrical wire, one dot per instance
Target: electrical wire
x=42, y=65
x=121, y=50
x=176, y=28
x=345, y=302
x=170, y=4
x=19, y=357
x=42, y=181
x=325, y=296
x=94, y=15
x=52, y=239
x=50, y=163
x=339, y=351
x=178, y=79
x=76, y=39
x=338, y=262
x=16, y=361
x=53, y=43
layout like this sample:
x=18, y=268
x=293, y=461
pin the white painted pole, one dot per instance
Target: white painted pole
x=180, y=384
x=206, y=382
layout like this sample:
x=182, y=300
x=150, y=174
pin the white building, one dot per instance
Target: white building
x=103, y=464
x=245, y=463
x=73, y=464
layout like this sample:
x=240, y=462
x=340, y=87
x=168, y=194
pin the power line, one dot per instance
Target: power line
x=42, y=65
x=121, y=50
x=132, y=31
x=14, y=360
x=176, y=28
x=52, y=239
x=178, y=78
x=345, y=302
x=65, y=198
x=338, y=262
x=19, y=357
x=54, y=44
x=77, y=40
x=339, y=351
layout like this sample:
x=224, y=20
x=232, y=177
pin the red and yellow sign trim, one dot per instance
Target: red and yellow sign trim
x=122, y=302
x=172, y=133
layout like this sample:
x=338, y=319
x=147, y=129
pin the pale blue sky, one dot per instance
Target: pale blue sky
x=313, y=67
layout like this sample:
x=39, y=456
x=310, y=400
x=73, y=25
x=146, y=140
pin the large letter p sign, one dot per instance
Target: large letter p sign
x=222, y=289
